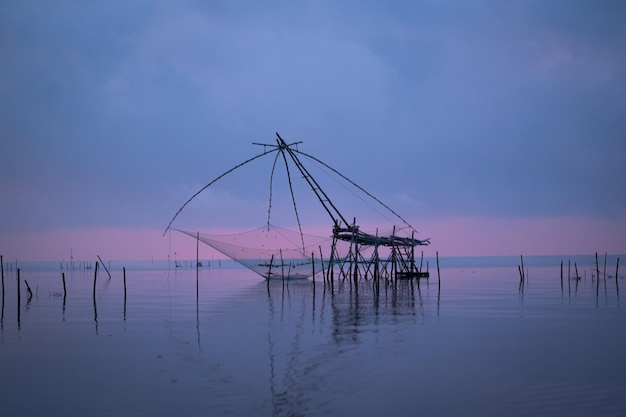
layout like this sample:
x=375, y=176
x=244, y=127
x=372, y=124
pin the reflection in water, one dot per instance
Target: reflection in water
x=278, y=348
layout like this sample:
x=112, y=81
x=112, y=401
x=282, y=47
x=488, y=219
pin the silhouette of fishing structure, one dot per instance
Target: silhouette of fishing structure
x=352, y=253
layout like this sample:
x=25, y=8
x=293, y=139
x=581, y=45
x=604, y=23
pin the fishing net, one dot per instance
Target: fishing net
x=272, y=252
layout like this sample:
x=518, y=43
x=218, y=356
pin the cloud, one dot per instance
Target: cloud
x=486, y=108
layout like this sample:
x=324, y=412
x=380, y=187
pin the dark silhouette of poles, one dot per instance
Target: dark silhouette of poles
x=104, y=266
x=124, y=272
x=2, y=268
x=597, y=275
x=95, y=278
x=616, y=271
x=438, y=275
x=30, y=293
x=95, y=309
x=19, y=298
x=197, y=264
x=64, y=291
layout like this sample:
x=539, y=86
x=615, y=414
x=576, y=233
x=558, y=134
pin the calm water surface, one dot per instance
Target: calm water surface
x=477, y=345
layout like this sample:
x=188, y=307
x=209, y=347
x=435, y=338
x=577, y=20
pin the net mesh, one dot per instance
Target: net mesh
x=272, y=252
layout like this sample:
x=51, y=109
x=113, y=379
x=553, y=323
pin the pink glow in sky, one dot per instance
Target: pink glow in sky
x=498, y=127
x=457, y=236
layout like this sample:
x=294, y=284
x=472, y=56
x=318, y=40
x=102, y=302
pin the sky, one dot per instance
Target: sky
x=492, y=127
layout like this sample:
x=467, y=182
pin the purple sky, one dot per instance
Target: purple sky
x=493, y=127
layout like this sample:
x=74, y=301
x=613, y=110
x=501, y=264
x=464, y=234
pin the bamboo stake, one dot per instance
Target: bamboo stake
x=2, y=314
x=269, y=272
x=124, y=274
x=313, y=266
x=2, y=268
x=104, y=266
x=19, y=297
x=597, y=275
x=197, y=263
x=561, y=276
x=616, y=270
x=95, y=277
x=322, y=261
x=282, y=264
x=438, y=275
x=30, y=293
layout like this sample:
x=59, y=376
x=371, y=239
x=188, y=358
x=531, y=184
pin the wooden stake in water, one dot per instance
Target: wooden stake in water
x=124, y=272
x=616, y=283
x=2, y=313
x=64, y=287
x=2, y=268
x=597, y=275
x=19, y=297
x=561, y=275
x=322, y=263
x=95, y=277
x=197, y=262
x=30, y=293
x=64, y=292
x=104, y=266
x=438, y=275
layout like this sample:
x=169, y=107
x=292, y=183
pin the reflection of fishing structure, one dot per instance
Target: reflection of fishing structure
x=274, y=252
x=308, y=327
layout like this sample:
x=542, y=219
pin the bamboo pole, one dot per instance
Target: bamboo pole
x=104, y=266
x=269, y=272
x=95, y=277
x=322, y=262
x=28, y=290
x=313, y=266
x=561, y=276
x=2, y=313
x=616, y=270
x=282, y=264
x=197, y=264
x=438, y=274
x=124, y=274
x=597, y=275
x=19, y=297
x=2, y=268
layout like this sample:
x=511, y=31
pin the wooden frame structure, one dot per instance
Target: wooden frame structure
x=363, y=258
